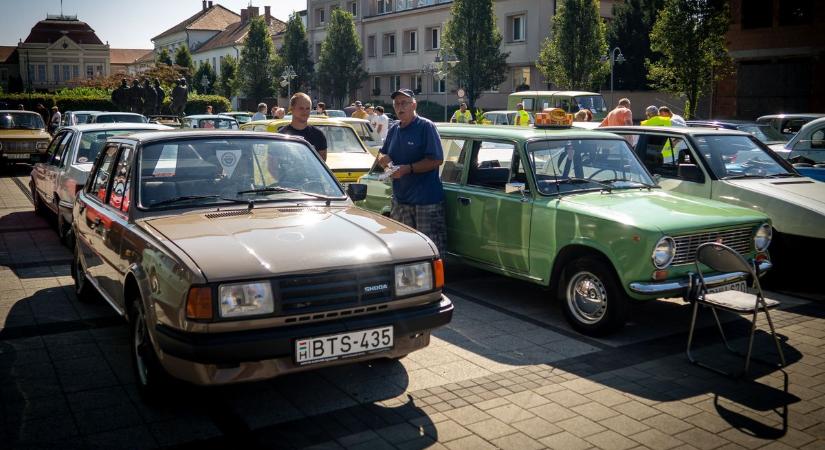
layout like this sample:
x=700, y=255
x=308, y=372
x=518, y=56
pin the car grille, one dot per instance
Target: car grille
x=334, y=290
x=19, y=146
x=740, y=239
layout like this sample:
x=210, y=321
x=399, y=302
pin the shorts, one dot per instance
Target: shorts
x=428, y=219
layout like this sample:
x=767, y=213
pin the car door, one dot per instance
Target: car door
x=95, y=224
x=491, y=226
x=116, y=217
x=811, y=147
x=45, y=173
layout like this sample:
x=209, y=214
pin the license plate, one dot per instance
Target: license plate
x=738, y=286
x=17, y=156
x=343, y=345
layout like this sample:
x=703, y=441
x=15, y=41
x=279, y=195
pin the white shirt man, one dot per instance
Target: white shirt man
x=382, y=122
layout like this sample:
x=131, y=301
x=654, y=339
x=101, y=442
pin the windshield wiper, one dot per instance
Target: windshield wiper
x=783, y=175
x=739, y=177
x=268, y=190
x=605, y=186
x=182, y=198
x=642, y=183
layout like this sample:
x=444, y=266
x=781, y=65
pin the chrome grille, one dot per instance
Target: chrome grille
x=334, y=290
x=19, y=146
x=740, y=239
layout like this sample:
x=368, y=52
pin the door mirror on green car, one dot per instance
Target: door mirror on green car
x=357, y=192
x=509, y=188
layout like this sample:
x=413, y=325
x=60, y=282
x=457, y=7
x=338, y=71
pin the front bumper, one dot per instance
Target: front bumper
x=681, y=286
x=218, y=358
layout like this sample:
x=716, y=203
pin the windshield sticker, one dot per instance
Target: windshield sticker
x=229, y=160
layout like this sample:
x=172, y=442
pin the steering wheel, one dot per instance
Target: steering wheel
x=615, y=174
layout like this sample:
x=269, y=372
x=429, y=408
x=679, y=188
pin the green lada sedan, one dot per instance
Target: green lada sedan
x=575, y=210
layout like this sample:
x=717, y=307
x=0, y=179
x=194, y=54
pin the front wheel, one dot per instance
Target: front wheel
x=81, y=284
x=594, y=302
x=152, y=379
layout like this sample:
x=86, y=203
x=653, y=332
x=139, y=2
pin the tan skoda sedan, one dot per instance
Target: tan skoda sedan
x=237, y=256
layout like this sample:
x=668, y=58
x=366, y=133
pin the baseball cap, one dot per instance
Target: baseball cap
x=406, y=92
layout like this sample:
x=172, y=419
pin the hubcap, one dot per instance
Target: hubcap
x=586, y=298
x=140, y=343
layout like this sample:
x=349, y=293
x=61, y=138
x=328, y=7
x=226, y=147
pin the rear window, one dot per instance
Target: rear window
x=118, y=118
x=91, y=142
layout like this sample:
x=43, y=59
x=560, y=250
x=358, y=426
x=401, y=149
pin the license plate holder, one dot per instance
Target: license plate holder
x=741, y=286
x=346, y=345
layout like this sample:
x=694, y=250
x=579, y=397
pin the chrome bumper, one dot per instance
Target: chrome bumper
x=683, y=285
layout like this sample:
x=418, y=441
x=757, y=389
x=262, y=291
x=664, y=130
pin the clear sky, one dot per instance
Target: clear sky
x=125, y=24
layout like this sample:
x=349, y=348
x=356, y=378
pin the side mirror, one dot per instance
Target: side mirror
x=690, y=172
x=357, y=191
x=509, y=188
x=657, y=177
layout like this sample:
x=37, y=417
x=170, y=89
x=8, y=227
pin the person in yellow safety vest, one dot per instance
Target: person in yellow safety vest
x=461, y=115
x=655, y=120
x=522, y=116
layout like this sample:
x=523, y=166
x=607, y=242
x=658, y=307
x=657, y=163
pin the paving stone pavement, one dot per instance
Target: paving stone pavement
x=506, y=373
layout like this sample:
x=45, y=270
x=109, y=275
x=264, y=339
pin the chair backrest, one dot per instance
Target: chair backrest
x=722, y=258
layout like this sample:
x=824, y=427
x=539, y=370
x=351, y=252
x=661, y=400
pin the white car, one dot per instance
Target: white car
x=55, y=182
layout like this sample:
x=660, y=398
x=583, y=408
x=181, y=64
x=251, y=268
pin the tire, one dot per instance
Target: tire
x=593, y=300
x=39, y=207
x=82, y=289
x=152, y=380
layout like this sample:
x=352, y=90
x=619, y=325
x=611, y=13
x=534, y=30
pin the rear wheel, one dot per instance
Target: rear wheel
x=594, y=302
x=152, y=379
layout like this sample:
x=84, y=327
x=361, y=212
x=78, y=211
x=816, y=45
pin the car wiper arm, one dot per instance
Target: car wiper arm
x=271, y=189
x=738, y=177
x=182, y=198
x=605, y=186
x=648, y=186
x=783, y=175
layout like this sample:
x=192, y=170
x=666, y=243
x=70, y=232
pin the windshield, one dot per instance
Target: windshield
x=765, y=133
x=341, y=139
x=213, y=171
x=595, y=103
x=336, y=113
x=242, y=118
x=119, y=118
x=570, y=165
x=21, y=120
x=223, y=124
x=738, y=157
x=91, y=142
x=365, y=131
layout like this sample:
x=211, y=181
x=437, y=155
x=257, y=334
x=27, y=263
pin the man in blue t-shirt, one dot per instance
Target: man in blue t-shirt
x=413, y=148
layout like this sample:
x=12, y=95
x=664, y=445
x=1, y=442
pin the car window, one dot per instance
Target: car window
x=453, y=160
x=341, y=139
x=11, y=120
x=490, y=164
x=738, y=157
x=764, y=133
x=63, y=150
x=103, y=173
x=118, y=118
x=569, y=165
x=91, y=142
x=53, y=151
x=791, y=126
x=664, y=154
x=119, y=198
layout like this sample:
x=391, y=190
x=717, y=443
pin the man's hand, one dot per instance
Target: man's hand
x=402, y=171
x=384, y=160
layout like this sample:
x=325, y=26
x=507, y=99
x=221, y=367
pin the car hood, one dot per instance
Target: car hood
x=24, y=134
x=658, y=210
x=278, y=240
x=355, y=161
x=795, y=205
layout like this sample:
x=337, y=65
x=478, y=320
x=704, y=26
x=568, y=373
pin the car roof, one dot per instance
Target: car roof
x=723, y=122
x=2, y=111
x=505, y=111
x=211, y=133
x=209, y=116
x=520, y=133
x=83, y=112
x=313, y=120
x=116, y=126
x=573, y=93
x=679, y=130
x=234, y=113
x=791, y=116
x=350, y=119
x=119, y=113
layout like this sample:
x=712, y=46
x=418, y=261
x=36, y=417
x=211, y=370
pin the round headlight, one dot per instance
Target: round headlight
x=762, y=238
x=664, y=252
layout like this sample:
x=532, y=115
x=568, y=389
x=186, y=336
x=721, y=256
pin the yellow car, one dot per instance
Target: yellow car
x=347, y=156
x=23, y=137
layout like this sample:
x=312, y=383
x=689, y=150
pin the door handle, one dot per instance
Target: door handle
x=96, y=221
x=464, y=200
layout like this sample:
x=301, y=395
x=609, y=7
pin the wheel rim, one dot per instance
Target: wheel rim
x=587, y=298
x=140, y=343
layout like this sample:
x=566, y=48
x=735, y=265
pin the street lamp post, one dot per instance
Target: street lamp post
x=614, y=58
x=286, y=80
x=439, y=69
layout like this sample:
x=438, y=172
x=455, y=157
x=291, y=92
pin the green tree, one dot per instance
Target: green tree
x=228, y=82
x=164, y=58
x=340, y=69
x=184, y=59
x=258, y=61
x=571, y=57
x=690, y=36
x=295, y=53
x=630, y=31
x=472, y=36
x=205, y=70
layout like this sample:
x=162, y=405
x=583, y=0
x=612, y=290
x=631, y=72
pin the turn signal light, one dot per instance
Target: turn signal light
x=199, y=303
x=660, y=275
x=761, y=257
x=438, y=270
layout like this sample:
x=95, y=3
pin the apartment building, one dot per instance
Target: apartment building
x=402, y=37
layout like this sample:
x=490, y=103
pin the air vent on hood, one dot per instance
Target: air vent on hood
x=234, y=212
x=309, y=210
x=793, y=182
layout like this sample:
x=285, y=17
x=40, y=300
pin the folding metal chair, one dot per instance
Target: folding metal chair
x=722, y=258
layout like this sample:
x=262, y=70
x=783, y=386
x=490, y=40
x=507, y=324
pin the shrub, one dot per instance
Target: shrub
x=87, y=103
x=196, y=104
x=28, y=101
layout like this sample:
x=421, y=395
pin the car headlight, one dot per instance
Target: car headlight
x=413, y=278
x=246, y=299
x=664, y=252
x=42, y=145
x=762, y=238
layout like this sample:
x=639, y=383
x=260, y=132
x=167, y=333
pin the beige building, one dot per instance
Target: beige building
x=402, y=37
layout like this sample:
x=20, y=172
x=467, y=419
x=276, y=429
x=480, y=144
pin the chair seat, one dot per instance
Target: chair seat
x=736, y=301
